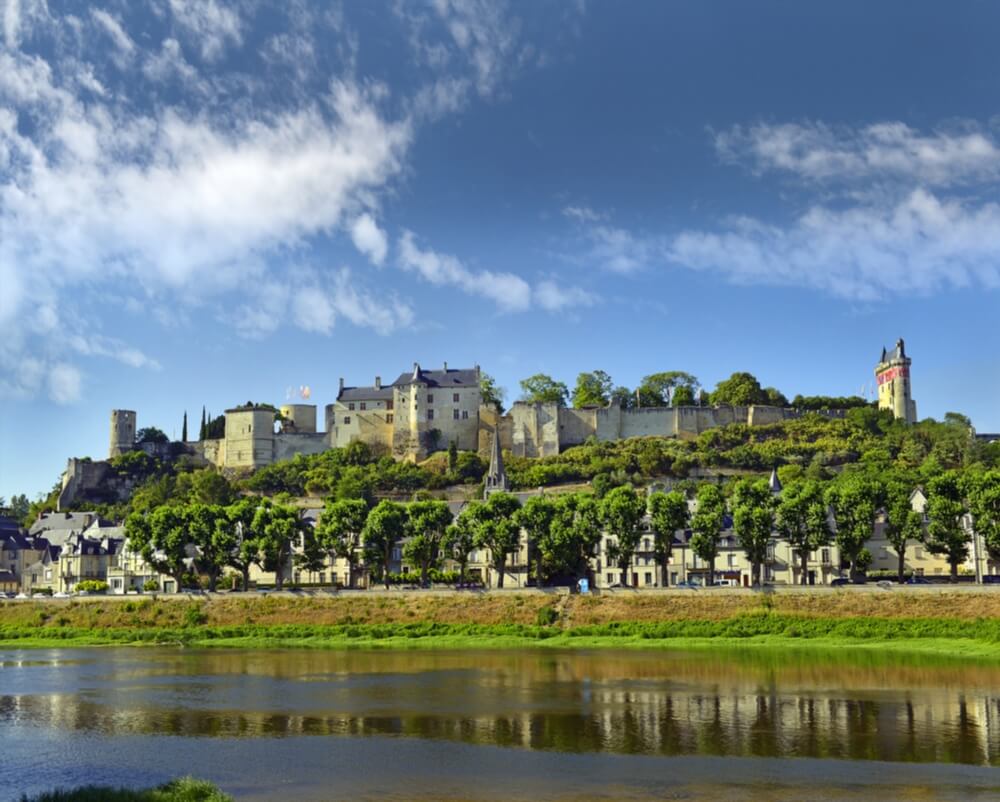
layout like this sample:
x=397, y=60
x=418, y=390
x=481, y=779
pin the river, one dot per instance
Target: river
x=490, y=725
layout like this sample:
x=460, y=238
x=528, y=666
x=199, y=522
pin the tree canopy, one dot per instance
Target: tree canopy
x=543, y=389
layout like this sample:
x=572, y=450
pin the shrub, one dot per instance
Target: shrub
x=195, y=616
x=546, y=616
x=92, y=585
x=150, y=584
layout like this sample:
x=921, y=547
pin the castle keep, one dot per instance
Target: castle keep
x=423, y=411
x=893, y=375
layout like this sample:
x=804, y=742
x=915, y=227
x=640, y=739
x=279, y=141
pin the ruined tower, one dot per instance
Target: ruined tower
x=122, y=432
x=893, y=376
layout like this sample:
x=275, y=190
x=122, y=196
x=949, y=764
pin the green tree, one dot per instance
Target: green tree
x=460, y=538
x=621, y=512
x=656, y=389
x=161, y=538
x=339, y=531
x=802, y=521
x=207, y=486
x=245, y=553
x=775, y=397
x=490, y=394
x=428, y=521
x=19, y=507
x=184, y=428
x=983, y=492
x=946, y=534
x=535, y=518
x=854, y=500
x=901, y=523
x=706, y=526
x=203, y=429
x=622, y=397
x=278, y=526
x=573, y=534
x=668, y=513
x=497, y=530
x=592, y=389
x=151, y=434
x=384, y=529
x=683, y=397
x=312, y=556
x=753, y=521
x=740, y=389
x=543, y=389
x=208, y=529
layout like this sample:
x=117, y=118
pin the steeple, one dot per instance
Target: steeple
x=774, y=483
x=496, y=476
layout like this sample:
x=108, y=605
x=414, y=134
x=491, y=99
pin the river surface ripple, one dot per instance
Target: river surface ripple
x=491, y=725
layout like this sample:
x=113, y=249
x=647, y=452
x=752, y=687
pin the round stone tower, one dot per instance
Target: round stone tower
x=122, y=432
x=893, y=376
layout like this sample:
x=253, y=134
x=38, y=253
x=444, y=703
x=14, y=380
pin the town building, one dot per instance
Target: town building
x=893, y=376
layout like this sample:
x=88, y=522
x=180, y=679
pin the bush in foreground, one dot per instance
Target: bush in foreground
x=186, y=789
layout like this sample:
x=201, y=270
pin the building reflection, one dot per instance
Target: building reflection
x=912, y=725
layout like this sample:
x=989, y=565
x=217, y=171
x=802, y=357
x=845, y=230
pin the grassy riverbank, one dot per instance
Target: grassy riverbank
x=942, y=623
x=182, y=790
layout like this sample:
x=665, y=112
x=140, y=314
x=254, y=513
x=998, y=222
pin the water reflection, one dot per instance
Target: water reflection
x=714, y=704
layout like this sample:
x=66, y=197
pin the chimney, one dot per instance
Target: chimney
x=378, y=382
x=341, y=384
x=445, y=367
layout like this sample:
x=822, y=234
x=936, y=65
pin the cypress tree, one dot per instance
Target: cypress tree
x=202, y=432
x=184, y=428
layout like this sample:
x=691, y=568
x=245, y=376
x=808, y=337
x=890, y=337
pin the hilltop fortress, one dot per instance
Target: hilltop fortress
x=423, y=411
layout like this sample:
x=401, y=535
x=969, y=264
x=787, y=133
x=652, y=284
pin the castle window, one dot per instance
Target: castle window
x=364, y=406
x=388, y=418
x=465, y=414
x=388, y=404
x=350, y=406
x=347, y=419
x=430, y=398
x=430, y=414
x=455, y=414
x=454, y=397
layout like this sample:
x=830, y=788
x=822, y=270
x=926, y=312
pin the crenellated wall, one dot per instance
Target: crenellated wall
x=544, y=429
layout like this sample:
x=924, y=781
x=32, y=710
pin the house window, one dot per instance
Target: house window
x=364, y=406
x=397, y=554
x=454, y=414
x=322, y=577
x=430, y=398
x=350, y=406
x=347, y=420
x=430, y=414
x=649, y=578
x=388, y=418
x=611, y=579
x=297, y=578
x=465, y=414
x=826, y=556
x=770, y=551
x=731, y=560
x=454, y=397
x=388, y=404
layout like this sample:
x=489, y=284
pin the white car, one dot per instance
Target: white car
x=22, y=596
x=60, y=595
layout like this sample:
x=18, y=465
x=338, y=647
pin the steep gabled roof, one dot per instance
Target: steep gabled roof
x=453, y=377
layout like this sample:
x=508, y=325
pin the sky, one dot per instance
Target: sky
x=205, y=203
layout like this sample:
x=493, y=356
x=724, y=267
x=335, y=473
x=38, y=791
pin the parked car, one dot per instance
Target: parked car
x=917, y=580
x=689, y=584
x=60, y=595
x=840, y=581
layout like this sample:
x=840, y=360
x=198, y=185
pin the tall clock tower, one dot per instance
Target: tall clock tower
x=893, y=376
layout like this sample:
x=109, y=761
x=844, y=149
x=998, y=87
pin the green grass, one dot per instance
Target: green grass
x=186, y=789
x=978, y=638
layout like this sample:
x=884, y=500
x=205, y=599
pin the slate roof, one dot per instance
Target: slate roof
x=51, y=521
x=453, y=377
x=899, y=352
x=444, y=379
x=383, y=393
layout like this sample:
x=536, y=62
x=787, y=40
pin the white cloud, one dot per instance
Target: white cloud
x=64, y=383
x=170, y=62
x=582, y=214
x=114, y=30
x=212, y=24
x=11, y=22
x=510, y=292
x=620, y=251
x=920, y=244
x=369, y=238
x=887, y=150
x=553, y=298
x=486, y=32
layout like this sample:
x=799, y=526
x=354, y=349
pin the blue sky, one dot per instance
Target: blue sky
x=203, y=203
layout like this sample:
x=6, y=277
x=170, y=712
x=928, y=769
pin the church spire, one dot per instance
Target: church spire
x=496, y=476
